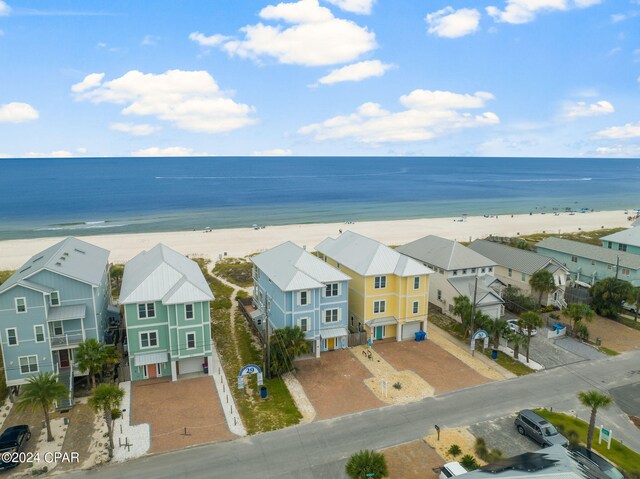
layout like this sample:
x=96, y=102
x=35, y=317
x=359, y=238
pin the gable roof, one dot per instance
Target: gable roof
x=521, y=260
x=162, y=274
x=444, y=253
x=368, y=257
x=70, y=257
x=292, y=268
x=630, y=236
x=590, y=251
x=466, y=285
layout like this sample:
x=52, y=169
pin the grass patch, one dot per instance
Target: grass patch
x=238, y=271
x=455, y=329
x=629, y=322
x=590, y=237
x=622, y=456
x=608, y=352
x=221, y=291
x=242, y=294
x=115, y=280
x=5, y=275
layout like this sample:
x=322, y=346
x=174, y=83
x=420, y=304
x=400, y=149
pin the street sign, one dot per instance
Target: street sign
x=605, y=435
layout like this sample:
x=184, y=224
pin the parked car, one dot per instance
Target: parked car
x=451, y=469
x=513, y=326
x=630, y=307
x=539, y=429
x=12, y=441
x=602, y=464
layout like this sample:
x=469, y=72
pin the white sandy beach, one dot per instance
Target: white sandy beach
x=244, y=241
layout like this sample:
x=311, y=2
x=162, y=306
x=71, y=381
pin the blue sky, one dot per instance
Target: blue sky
x=320, y=77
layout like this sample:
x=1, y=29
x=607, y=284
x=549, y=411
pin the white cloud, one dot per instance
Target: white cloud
x=630, y=130
x=17, y=112
x=90, y=81
x=205, y=41
x=52, y=154
x=134, y=129
x=620, y=151
x=315, y=36
x=274, y=152
x=191, y=100
x=428, y=114
x=150, y=40
x=81, y=150
x=4, y=9
x=168, y=151
x=362, y=7
x=618, y=17
x=450, y=23
x=356, y=72
x=525, y=11
x=580, y=109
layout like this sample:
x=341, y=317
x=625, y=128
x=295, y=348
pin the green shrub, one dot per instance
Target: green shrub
x=581, y=331
x=454, y=450
x=363, y=463
x=397, y=385
x=469, y=462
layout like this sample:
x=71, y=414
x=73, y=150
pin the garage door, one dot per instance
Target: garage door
x=409, y=330
x=191, y=365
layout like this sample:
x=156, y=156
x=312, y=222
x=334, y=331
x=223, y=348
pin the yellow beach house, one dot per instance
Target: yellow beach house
x=388, y=293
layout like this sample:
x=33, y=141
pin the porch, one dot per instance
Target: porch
x=66, y=326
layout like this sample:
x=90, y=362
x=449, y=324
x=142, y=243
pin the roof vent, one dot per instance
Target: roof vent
x=23, y=270
x=65, y=254
x=79, y=251
x=58, y=263
x=37, y=259
x=63, y=258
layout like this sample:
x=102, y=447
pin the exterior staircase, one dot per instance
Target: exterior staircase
x=65, y=376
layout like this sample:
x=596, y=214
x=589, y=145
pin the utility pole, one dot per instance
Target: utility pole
x=473, y=305
x=268, y=362
x=617, y=265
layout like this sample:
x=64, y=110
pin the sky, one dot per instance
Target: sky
x=516, y=78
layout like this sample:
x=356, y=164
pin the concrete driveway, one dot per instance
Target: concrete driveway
x=579, y=348
x=546, y=352
x=501, y=433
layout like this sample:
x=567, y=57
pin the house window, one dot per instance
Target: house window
x=57, y=328
x=379, y=306
x=416, y=307
x=380, y=282
x=574, y=259
x=416, y=282
x=351, y=321
x=609, y=244
x=331, y=315
x=188, y=311
x=54, y=298
x=593, y=263
x=440, y=294
x=455, y=272
x=304, y=298
x=12, y=337
x=256, y=273
x=609, y=266
x=473, y=271
x=38, y=331
x=303, y=324
x=149, y=339
x=464, y=271
x=146, y=310
x=191, y=340
x=482, y=270
x=510, y=273
x=21, y=305
x=624, y=271
x=622, y=247
x=523, y=277
x=490, y=269
x=451, y=308
x=28, y=364
x=331, y=290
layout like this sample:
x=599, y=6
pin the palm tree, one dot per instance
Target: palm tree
x=577, y=312
x=595, y=400
x=529, y=321
x=92, y=356
x=498, y=328
x=518, y=341
x=106, y=399
x=542, y=281
x=462, y=307
x=286, y=344
x=42, y=391
x=365, y=464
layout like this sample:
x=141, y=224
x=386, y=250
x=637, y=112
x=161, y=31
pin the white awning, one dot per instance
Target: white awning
x=386, y=321
x=333, y=333
x=150, y=358
x=62, y=313
x=582, y=283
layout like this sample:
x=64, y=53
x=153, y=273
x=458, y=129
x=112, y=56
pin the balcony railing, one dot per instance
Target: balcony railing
x=69, y=339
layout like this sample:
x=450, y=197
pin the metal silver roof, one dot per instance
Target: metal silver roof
x=71, y=257
x=589, y=251
x=386, y=321
x=292, y=268
x=145, y=359
x=466, y=285
x=518, y=259
x=369, y=257
x=629, y=236
x=36, y=286
x=162, y=274
x=333, y=333
x=444, y=253
x=61, y=313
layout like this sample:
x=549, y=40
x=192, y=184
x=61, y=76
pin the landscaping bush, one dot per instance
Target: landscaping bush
x=364, y=463
x=516, y=302
x=235, y=270
x=454, y=450
x=397, y=385
x=469, y=462
x=581, y=331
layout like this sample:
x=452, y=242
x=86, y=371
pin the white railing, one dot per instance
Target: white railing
x=66, y=339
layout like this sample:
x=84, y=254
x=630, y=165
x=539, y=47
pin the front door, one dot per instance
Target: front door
x=379, y=332
x=63, y=357
x=331, y=343
x=151, y=370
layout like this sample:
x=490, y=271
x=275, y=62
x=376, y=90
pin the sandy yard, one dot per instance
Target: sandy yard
x=614, y=335
x=413, y=460
x=448, y=437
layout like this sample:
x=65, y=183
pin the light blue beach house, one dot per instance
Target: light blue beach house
x=167, y=311
x=292, y=287
x=56, y=300
x=589, y=263
x=627, y=240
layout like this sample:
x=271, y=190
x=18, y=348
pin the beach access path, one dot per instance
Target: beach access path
x=240, y=242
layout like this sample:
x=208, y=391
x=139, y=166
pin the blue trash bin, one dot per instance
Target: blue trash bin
x=263, y=392
x=494, y=354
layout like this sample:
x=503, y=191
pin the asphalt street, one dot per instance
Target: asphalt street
x=320, y=449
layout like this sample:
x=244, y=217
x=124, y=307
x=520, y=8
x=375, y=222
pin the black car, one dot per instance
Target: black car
x=604, y=465
x=12, y=441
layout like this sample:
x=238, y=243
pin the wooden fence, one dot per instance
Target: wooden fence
x=356, y=339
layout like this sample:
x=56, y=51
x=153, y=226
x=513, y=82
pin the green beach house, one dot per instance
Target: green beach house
x=166, y=307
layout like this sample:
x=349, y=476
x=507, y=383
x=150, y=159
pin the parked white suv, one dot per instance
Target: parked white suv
x=513, y=326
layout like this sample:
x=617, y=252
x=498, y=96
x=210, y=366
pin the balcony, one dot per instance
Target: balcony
x=64, y=341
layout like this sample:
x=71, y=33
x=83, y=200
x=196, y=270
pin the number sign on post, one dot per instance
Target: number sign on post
x=249, y=369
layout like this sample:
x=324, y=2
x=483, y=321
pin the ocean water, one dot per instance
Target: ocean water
x=81, y=196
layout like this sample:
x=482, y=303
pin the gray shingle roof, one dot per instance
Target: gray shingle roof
x=444, y=253
x=70, y=257
x=162, y=274
x=521, y=260
x=466, y=286
x=292, y=268
x=629, y=236
x=369, y=257
x=589, y=251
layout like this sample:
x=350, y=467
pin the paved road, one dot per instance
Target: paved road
x=628, y=397
x=319, y=450
x=576, y=347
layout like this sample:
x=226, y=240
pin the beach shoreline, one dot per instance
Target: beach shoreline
x=238, y=242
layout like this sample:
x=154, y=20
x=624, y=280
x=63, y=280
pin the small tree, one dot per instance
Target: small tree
x=42, y=391
x=608, y=296
x=364, y=463
x=594, y=400
x=116, y=273
x=462, y=307
x=106, y=400
x=469, y=462
x=542, y=281
x=529, y=321
x=93, y=356
x=454, y=451
x=577, y=312
x=286, y=344
x=517, y=341
x=497, y=329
